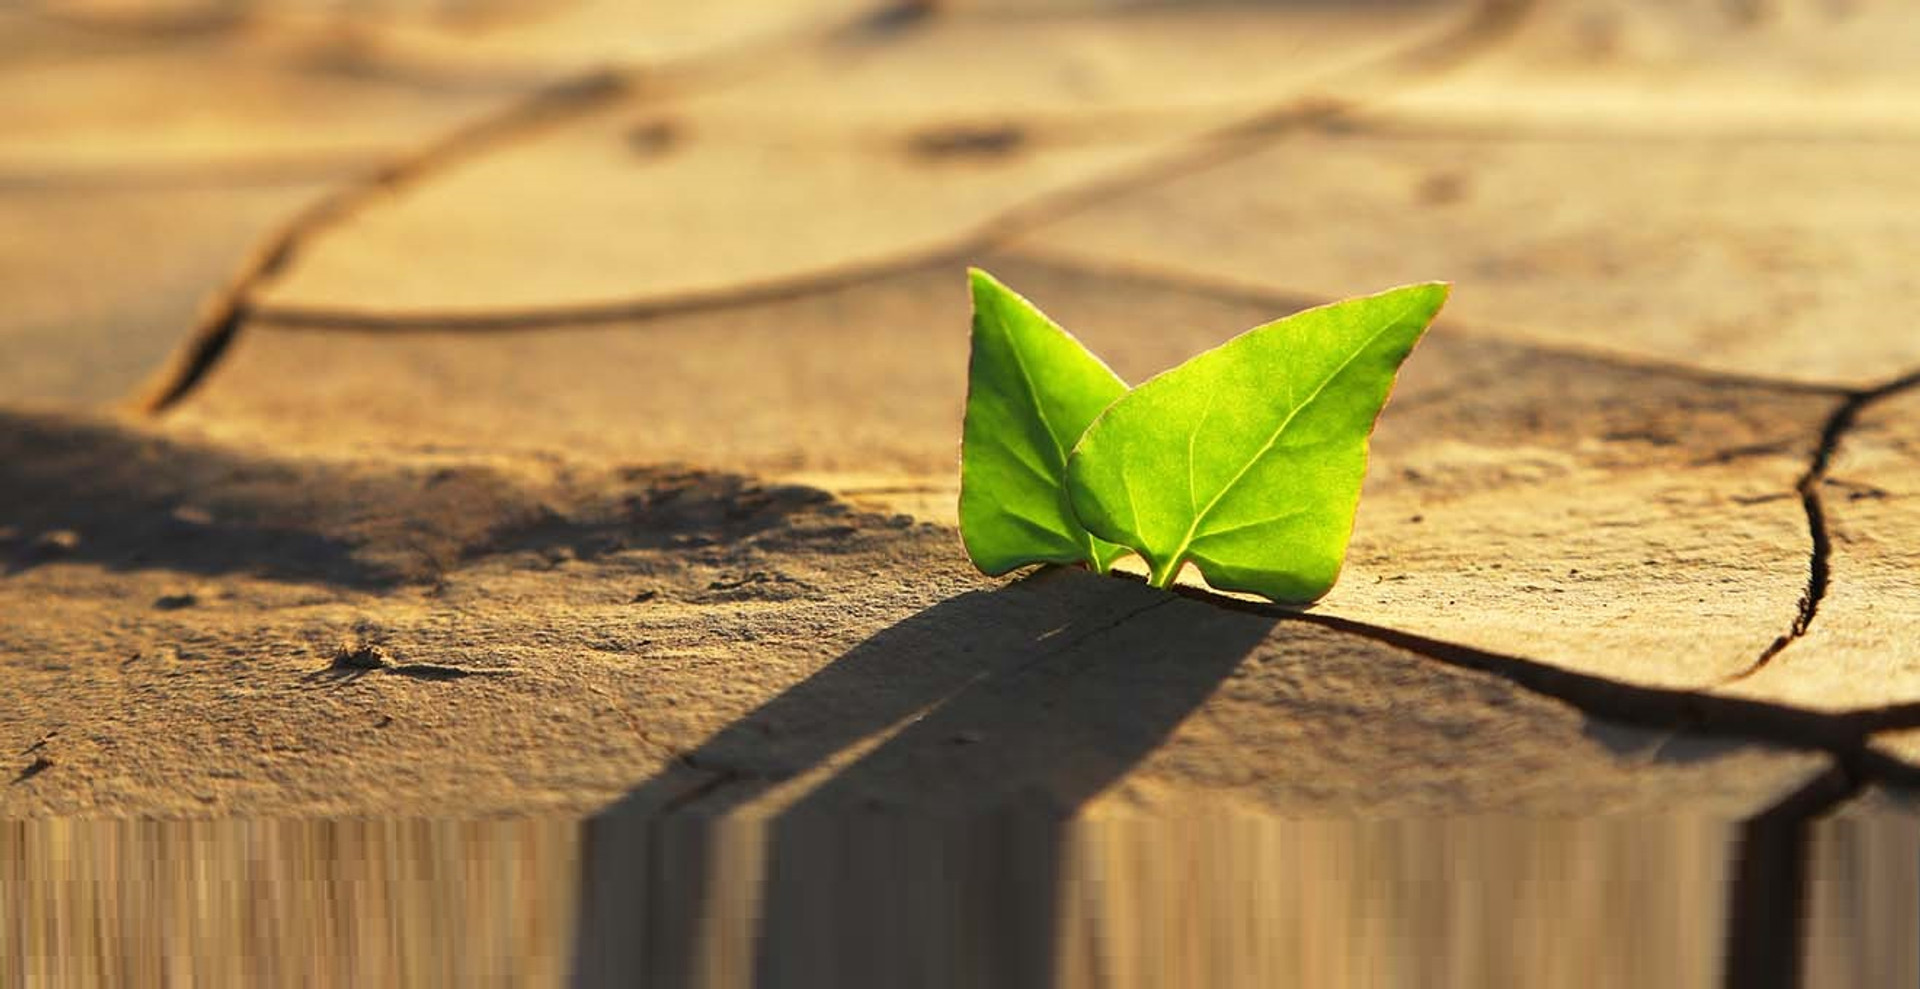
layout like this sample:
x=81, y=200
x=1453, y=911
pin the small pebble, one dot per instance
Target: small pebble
x=361, y=656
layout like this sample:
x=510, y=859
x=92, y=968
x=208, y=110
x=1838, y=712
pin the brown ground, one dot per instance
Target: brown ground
x=556, y=407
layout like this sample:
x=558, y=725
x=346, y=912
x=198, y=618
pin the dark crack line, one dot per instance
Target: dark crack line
x=229, y=310
x=1767, y=900
x=786, y=290
x=1492, y=20
x=344, y=320
x=1812, y=498
x=1240, y=293
x=547, y=106
x=1845, y=735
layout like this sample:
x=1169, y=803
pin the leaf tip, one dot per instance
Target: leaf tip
x=1429, y=297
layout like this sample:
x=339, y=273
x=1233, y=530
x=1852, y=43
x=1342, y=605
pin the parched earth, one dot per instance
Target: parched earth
x=552, y=409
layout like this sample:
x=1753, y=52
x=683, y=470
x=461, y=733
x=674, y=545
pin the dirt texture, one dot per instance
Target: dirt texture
x=515, y=409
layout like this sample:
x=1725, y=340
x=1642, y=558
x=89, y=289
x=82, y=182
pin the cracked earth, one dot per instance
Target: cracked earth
x=597, y=369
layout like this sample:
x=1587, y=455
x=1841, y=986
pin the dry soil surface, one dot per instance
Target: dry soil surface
x=554, y=408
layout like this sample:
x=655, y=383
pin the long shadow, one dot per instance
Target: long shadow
x=125, y=499
x=932, y=855
x=89, y=490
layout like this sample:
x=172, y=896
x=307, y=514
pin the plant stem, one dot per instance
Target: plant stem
x=1162, y=576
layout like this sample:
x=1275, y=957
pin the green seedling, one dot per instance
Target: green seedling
x=1032, y=390
x=1245, y=461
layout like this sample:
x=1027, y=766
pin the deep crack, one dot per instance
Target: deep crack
x=1256, y=296
x=1846, y=736
x=1491, y=21
x=1767, y=900
x=1810, y=488
x=229, y=310
x=341, y=319
x=233, y=307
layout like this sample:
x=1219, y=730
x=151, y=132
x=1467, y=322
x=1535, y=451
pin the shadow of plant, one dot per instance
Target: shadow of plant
x=955, y=746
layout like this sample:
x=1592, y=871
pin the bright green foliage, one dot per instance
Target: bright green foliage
x=1032, y=389
x=1247, y=459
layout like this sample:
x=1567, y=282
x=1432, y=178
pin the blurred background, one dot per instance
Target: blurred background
x=1655, y=178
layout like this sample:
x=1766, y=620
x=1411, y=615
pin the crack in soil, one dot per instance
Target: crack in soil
x=214, y=333
x=1491, y=21
x=338, y=320
x=233, y=307
x=344, y=320
x=1809, y=488
x=1256, y=296
x=1767, y=901
x=1764, y=941
x=1194, y=155
x=1846, y=736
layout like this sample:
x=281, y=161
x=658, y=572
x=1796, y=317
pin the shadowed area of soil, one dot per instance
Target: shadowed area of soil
x=603, y=624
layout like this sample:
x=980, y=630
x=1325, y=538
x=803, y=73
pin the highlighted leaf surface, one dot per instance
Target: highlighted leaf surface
x=1032, y=390
x=1247, y=460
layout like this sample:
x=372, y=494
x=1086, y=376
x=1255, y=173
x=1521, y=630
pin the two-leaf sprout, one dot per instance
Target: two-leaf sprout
x=1246, y=461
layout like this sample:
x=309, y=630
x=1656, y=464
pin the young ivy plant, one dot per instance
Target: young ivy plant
x=1246, y=461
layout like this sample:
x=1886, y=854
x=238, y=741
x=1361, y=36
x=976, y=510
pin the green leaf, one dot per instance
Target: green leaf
x=1247, y=459
x=1031, y=391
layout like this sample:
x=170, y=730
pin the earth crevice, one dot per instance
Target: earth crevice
x=349, y=321
x=1844, y=735
x=1766, y=905
x=1279, y=299
x=1810, y=490
x=536, y=109
x=1491, y=21
x=229, y=310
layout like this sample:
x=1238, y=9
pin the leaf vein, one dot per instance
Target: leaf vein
x=1036, y=524
x=1313, y=396
x=1256, y=523
x=1033, y=393
x=1018, y=455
